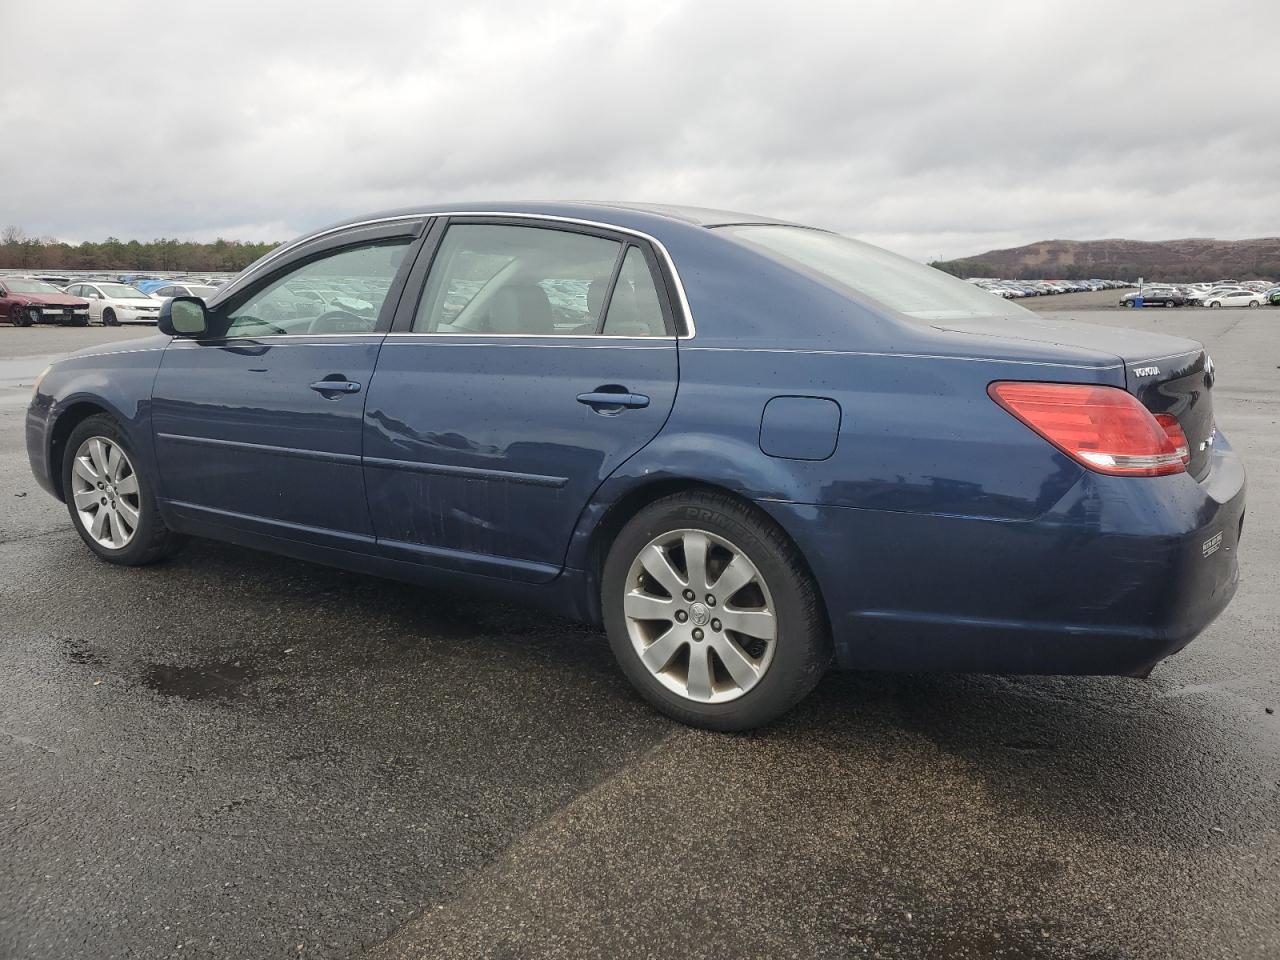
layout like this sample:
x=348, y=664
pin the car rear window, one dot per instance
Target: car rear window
x=892, y=280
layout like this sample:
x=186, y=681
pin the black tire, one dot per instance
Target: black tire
x=802, y=651
x=109, y=318
x=1252, y=304
x=1214, y=305
x=152, y=541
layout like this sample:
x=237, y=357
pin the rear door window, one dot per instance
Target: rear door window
x=634, y=308
x=517, y=280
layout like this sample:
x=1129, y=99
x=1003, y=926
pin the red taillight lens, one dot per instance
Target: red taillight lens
x=1102, y=428
x=1173, y=429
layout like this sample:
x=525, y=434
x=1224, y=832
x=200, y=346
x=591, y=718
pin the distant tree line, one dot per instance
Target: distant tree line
x=20, y=252
x=966, y=268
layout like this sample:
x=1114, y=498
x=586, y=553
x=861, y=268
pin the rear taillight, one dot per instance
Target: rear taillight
x=1102, y=428
x=1173, y=429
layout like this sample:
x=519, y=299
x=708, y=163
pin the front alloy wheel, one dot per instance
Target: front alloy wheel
x=700, y=616
x=104, y=487
x=110, y=497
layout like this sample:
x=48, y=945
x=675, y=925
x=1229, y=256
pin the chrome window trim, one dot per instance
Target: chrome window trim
x=658, y=246
x=638, y=343
x=402, y=334
x=282, y=339
x=300, y=339
x=294, y=244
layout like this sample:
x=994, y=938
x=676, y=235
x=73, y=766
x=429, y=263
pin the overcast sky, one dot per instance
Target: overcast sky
x=934, y=128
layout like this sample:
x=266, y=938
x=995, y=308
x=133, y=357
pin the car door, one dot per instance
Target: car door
x=95, y=298
x=536, y=359
x=258, y=425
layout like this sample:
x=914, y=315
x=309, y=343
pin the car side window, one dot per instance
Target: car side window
x=340, y=292
x=634, y=308
x=164, y=292
x=500, y=279
x=75, y=290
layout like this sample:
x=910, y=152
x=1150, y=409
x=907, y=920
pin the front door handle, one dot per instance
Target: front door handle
x=610, y=401
x=335, y=388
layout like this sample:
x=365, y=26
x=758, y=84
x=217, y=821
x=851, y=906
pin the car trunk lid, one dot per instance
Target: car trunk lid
x=1167, y=374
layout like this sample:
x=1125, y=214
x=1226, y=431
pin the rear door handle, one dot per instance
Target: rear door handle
x=336, y=388
x=601, y=400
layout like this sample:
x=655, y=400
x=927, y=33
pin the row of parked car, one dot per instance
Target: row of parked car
x=1224, y=293
x=71, y=301
x=1012, y=289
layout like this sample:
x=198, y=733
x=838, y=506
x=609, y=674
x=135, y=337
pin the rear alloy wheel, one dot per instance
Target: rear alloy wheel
x=711, y=614
x=110, y=499
x=109, y=318
x=1252, y=304
x=680, y=611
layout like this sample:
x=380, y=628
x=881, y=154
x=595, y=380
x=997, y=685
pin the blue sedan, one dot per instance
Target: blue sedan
x=748, y=449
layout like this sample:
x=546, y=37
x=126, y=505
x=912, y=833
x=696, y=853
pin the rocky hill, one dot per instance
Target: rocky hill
x=1191, y=259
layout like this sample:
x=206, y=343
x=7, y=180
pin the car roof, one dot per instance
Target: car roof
x=611, y=213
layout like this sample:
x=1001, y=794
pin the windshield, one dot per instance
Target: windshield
x=30, y=286
x=897, y=282
x=121, y=291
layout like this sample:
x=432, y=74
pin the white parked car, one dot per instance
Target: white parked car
x=201, y=290
x=1233, y=298
x=112, y=303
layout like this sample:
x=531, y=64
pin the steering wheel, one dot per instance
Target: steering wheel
x=338, y=321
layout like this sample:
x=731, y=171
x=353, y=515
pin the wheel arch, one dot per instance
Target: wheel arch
x=623, y=508
x=67, y=420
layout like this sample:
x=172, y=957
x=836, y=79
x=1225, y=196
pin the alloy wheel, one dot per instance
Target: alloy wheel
x=700, y=616
x=104, y=487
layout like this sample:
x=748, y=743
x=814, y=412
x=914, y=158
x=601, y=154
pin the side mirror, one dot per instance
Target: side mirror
x=184, y=317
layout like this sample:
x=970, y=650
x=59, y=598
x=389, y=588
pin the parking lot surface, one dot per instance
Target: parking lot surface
x=237, y=755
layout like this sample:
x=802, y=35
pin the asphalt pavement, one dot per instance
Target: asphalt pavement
x=237, y=755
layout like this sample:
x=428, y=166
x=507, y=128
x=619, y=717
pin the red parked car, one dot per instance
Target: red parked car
x=24, y=301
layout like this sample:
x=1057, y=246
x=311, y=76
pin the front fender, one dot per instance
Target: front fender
x=117, y=382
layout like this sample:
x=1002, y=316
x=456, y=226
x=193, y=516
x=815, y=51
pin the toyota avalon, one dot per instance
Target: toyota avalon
x=748, y=449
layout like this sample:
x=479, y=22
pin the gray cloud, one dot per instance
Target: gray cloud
x=935, y=128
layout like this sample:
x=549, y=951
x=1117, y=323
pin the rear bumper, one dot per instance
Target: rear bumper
x=1121, y=574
